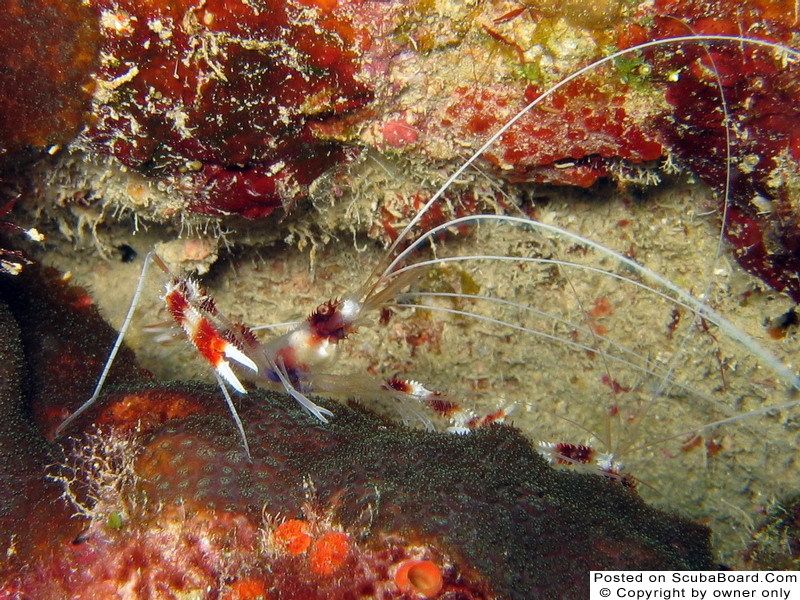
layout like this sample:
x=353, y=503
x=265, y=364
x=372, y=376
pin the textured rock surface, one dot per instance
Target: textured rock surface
x=45, y=85
x=219, y=100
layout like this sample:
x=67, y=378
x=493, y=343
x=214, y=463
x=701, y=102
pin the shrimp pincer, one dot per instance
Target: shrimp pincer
x=218, y=340
x=228, y=346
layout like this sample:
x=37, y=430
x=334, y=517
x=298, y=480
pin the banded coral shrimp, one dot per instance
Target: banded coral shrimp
x=568, y=381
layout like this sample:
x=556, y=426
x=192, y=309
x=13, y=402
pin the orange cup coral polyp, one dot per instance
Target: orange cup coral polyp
x=421, y=576
x=293, y=535
x=329, y=552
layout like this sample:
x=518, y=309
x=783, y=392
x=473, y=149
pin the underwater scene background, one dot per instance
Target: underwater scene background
x=636, y=313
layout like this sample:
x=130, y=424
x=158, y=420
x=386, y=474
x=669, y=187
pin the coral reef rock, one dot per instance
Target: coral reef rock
x=169, y=505
x=216, y=108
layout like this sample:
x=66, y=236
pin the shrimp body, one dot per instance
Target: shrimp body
x=313, y=343
x=300, y=355
x=294, y=358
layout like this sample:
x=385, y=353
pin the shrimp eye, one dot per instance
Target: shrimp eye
x=327, y=321
x=326, y=309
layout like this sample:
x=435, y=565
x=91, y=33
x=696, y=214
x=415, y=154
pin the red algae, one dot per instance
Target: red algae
x=220, y=100
x=50, y=49
x=755, y=85
x=591, y=133
x=328, y=553
x=293, y=534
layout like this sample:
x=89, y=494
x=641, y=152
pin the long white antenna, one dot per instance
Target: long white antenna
x=110, y=360
x=693, y=39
